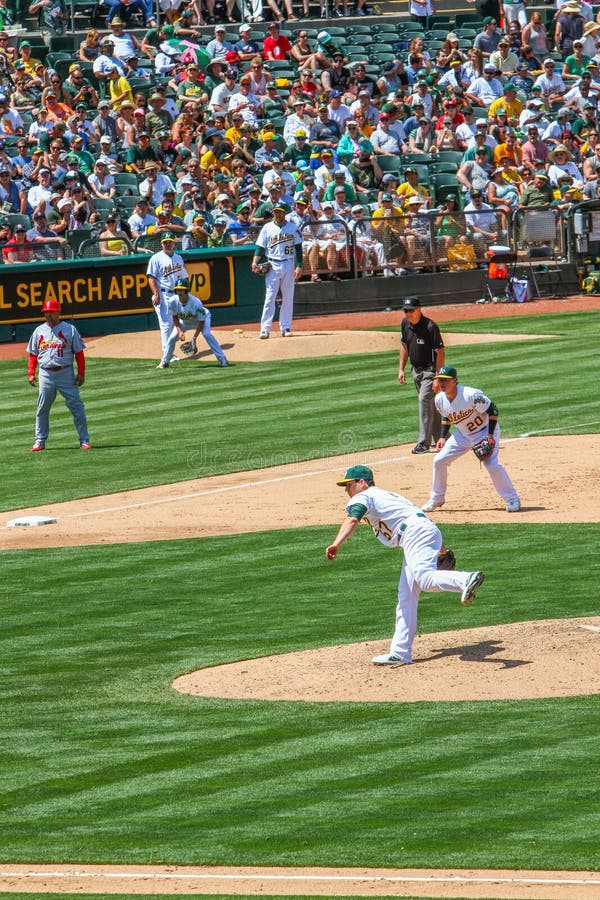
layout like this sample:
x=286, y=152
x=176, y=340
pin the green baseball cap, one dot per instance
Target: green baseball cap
x=182, y=285
x=447, y=372
x=167, y=236
x=355, y=473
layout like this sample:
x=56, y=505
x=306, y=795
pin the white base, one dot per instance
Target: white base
x=31, y=520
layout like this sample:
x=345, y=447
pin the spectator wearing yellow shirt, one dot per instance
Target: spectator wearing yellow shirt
x=509, y=102
x=389, y=223
x=28, y=60
x=120, y=89
x=509, y=149
x=411, y=187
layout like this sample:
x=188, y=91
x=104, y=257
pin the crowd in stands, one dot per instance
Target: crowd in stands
x=393, y=146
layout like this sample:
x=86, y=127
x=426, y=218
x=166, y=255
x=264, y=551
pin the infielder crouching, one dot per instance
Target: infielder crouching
x=279, y=243
x=187, y=311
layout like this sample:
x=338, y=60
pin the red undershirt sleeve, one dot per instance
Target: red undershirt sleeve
x=80, y=357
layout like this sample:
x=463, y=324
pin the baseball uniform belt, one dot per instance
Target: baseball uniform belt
x=52, y=368
x=418, y=369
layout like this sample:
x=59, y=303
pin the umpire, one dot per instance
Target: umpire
x=422, y=344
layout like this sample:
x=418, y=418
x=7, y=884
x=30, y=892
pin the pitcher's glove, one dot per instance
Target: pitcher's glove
x=484, y=449
x=262, y=268
x=189, y=347
x=447, y=559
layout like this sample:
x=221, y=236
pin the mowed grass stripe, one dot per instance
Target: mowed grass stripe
x=109, y=764
x=202, y=421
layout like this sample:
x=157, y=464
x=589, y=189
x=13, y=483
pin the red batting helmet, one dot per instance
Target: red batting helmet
x=51, y=306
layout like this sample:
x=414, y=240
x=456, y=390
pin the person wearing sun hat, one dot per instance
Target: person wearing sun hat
x=397, y=522
x=561, y=162
x=569, y=27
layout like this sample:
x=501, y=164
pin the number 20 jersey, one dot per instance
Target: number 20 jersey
x=468, y=410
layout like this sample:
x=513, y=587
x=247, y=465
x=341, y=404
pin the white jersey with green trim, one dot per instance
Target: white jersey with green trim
x=189, y=313
x=279, y=242
x=468, y=410
x=384, y=511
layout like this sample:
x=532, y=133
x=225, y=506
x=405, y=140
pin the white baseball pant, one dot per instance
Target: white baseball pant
x=458, y=444
x=421, y=543
x=281, y=275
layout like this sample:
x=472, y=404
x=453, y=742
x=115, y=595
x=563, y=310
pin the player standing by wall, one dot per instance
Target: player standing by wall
x=165, y=269
x=53, y=346
x=475, y=417
x=279, y=243
x=396, y=522
x=188, y=311
x=421, y=342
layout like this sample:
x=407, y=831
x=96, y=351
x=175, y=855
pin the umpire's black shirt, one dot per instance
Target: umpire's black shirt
x=422, y=340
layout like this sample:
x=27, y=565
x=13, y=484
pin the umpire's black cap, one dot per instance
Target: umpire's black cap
x=411, y=302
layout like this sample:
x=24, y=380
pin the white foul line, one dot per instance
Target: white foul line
x=206, y=876
x=222, y=490
x=527, y=434
x=236, y=487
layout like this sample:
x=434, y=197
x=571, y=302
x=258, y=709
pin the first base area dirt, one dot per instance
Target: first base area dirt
x=536, y=659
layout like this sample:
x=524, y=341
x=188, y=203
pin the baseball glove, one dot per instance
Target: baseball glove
x=262, y=268
x=189, y=347
x=447, y=559
x=484, y=449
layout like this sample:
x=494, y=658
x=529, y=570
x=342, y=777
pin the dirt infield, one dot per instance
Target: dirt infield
x=537, y=659
x=294, y=881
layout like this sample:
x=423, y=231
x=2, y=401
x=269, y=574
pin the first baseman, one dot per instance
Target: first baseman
x=396, y=522
x=165, y=269
x=53, y=346
x=188, y=311
x=474, y=417
x=280, y=243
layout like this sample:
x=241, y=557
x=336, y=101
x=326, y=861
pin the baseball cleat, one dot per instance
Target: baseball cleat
x=421, y=447
x=85, y=446
x=162, y=365
x=513, y=506
x=286, y=333
x=37, y=446
x=390, y=659
x=264, y=335
x=475, y=581
x=431, y=505
x=223, y=363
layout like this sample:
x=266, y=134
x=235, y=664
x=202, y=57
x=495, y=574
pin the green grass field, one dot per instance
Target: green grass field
x=104, y=762
x=152, y=427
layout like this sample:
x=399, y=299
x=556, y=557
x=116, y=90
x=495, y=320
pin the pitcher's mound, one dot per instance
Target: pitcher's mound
x=552, y=658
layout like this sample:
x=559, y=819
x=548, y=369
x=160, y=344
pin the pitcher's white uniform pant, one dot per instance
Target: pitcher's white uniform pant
x=280, y=276
x=421, y=543
x=455, y=446
x=165, y=321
